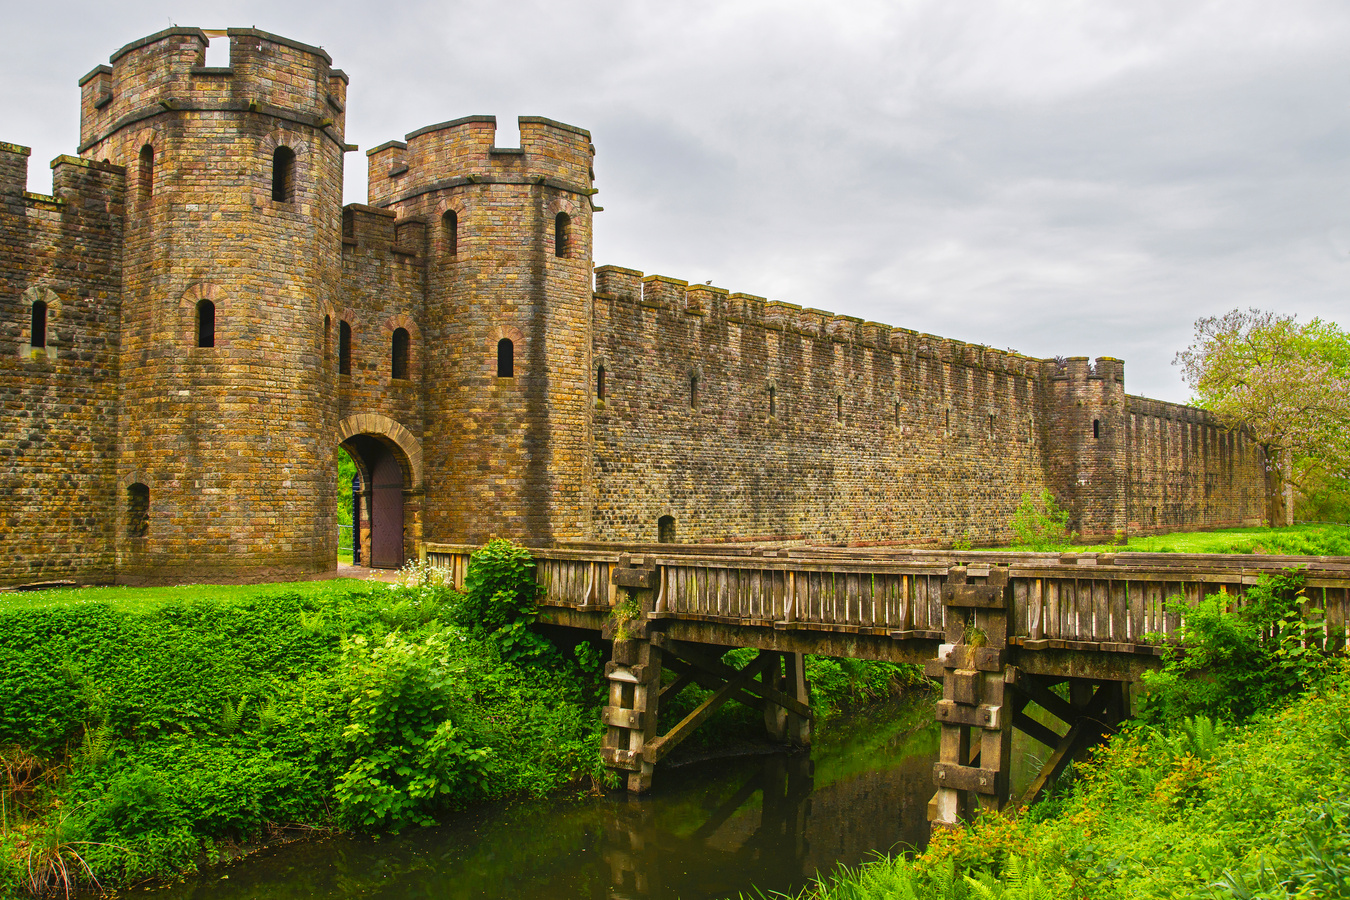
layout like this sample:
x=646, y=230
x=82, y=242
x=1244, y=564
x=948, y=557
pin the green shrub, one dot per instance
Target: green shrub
x=499, y=588
x=1039, y=523
x=1232, y=662
x=407, y=755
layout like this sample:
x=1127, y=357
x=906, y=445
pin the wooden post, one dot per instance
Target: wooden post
x=775, y=716
x=634, y=674
x=976, y=710
x=795, y=686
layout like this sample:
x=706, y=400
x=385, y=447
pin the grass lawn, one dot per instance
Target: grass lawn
x=143, y=599
x=1296, y=540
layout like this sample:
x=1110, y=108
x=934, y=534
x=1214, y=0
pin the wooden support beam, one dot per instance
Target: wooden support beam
x=707, y=680
x=1053, y=703
x=692, y=654
x=1036, y=730
x=670, y=691
x=657, y=748
x=1084, y=732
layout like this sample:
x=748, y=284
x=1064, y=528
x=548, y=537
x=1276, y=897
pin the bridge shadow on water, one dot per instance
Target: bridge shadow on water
x=709, y=830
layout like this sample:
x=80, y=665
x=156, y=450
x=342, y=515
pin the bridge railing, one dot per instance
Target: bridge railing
x=1116, y=602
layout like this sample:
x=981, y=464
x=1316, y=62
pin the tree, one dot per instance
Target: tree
x=1284, y=384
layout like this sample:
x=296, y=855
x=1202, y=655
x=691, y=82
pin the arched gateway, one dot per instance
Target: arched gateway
x=389, y=459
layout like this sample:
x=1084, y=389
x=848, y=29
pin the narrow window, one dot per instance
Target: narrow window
x=1096, y=428
x=665, y=530
x=506, y=359
x=991, y=425
x=839, y=408
x=773, y=401
x=344, y=348
x=947, y=420
x=400, y=366
x=327, y=339
x=206, y=324
x=283, y=175
x=450, y=232
x=897, y=412
x=138, y=510
x=693, y=392
x=39, y=336
x=145, y=175
x=562, y=234
x=600, y=383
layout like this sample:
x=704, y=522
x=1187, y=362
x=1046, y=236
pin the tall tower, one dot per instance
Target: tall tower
x=232, y=250
x=1086, y=464
x=508, y=323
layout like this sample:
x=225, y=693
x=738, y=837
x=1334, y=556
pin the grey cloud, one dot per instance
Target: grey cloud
x=1061, y=178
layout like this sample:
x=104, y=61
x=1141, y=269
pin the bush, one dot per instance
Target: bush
x=407, y=755
x=1232, y=662
x=499, y=589
x=1039, y=524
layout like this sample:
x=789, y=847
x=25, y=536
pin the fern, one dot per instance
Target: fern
x=311, y=622
x=96, y=745
x=231, y=714
x=269, y=715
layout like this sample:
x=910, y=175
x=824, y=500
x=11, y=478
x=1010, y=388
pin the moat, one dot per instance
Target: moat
x=709, y=829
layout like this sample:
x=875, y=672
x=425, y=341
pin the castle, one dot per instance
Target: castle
x=192, y=324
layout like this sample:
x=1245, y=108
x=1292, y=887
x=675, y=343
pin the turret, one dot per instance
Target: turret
x=231, y=254
x=1086, y=460
x=508, y=322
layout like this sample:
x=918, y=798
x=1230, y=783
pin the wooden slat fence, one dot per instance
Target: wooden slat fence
x=1080, y=601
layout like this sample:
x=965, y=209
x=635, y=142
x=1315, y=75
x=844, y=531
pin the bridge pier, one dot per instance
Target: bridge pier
x=975, y=753
x=773, y=682
x=985, y=695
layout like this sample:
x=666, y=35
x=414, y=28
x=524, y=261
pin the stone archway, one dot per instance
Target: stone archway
x=388, y=508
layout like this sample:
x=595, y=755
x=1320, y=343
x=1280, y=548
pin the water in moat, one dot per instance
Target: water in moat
x=707, y=830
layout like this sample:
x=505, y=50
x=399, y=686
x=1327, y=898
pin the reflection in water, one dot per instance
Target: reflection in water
x=708, y=830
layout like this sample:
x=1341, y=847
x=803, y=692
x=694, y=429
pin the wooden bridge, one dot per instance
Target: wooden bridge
x=1000, y=630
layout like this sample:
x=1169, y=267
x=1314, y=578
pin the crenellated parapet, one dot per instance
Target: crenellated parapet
x=268, y=74
x=714, y=303
x=463, y=151
x=369, y=228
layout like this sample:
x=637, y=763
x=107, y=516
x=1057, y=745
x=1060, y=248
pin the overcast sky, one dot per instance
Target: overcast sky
x=1059, y=178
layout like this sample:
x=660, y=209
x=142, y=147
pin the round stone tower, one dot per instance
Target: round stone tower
x=508, y=323
x=232, y=253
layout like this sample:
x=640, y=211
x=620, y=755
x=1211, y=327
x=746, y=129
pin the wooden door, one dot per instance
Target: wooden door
x=386, y=513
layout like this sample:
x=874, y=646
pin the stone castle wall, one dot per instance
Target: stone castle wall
x=58, y=403
x=1186, y=471
x=630, y=400
x=744, y=419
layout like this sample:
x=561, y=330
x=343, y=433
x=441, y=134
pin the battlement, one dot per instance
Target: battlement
x=167, y=71
x=372, y=229
x=463, y=151
x=71, y=176
x=1163, y=409
x=13, y=176
x=1079, y=369
x=663, y=292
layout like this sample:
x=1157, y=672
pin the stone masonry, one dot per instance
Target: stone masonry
x=191, y=325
